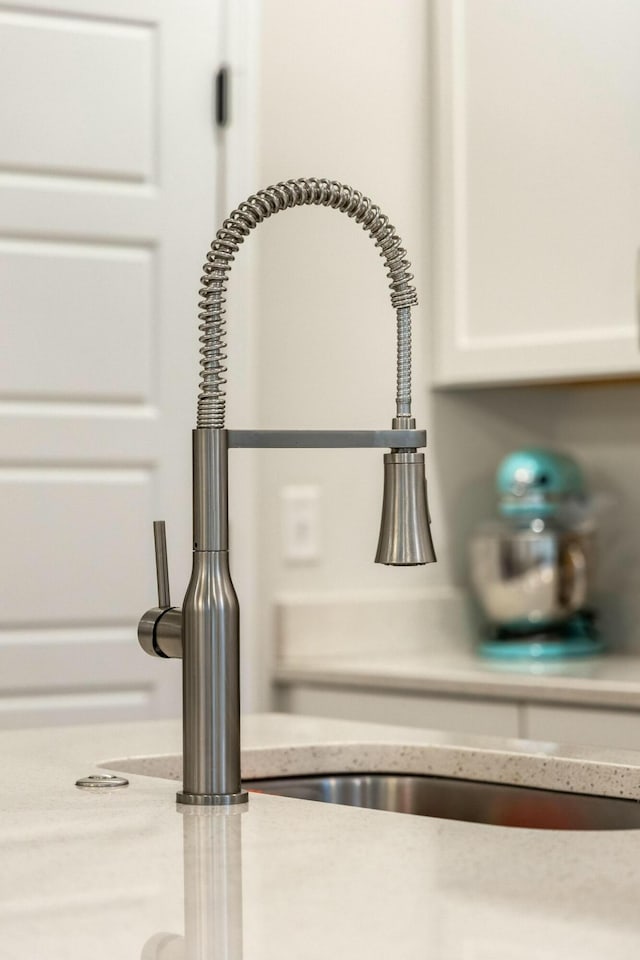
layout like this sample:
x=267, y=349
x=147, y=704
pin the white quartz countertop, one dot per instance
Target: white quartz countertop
x=607, y=680
x=126, y=874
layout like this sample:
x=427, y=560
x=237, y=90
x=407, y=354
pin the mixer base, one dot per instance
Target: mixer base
x=578, y=637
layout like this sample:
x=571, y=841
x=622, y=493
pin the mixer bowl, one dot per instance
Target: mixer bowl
x=525, y=579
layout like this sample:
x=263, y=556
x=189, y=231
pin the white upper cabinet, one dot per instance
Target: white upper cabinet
x=536, y=190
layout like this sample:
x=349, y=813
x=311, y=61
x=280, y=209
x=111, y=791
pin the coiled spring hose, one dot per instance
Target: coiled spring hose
x=282, y=196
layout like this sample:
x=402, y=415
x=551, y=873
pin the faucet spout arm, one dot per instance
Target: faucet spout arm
x=316, y=439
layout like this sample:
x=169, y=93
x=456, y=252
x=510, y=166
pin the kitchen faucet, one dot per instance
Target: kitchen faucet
x=205, y=632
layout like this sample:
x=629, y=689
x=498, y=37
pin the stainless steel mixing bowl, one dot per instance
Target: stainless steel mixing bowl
x=525, y=577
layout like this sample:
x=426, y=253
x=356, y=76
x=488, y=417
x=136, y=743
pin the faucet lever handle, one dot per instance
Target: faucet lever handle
x=162, y=565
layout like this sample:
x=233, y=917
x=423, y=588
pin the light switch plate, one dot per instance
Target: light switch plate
x=300, y=524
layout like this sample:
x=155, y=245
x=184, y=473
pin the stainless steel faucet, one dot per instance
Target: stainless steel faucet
x=205, y=632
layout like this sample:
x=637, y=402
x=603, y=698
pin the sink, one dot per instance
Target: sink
x=476, y=802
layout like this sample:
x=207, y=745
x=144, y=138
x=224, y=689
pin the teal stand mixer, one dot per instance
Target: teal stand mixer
x=532, y=568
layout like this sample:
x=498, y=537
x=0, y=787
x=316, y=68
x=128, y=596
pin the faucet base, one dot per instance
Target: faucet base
x=212, y=799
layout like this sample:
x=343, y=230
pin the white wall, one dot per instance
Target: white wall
x=345, y=94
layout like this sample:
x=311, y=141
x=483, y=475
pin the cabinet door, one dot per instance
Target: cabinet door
x=536, y=190
x=591, y=727
x=457, y=714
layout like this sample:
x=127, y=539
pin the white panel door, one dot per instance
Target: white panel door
x=536, y=190
x=108, y=184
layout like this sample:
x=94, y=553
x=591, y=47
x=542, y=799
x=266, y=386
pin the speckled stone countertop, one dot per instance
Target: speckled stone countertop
x=608, y=680
x=125, y=874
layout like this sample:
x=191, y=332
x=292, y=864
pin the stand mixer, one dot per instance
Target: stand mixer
x=532, y=568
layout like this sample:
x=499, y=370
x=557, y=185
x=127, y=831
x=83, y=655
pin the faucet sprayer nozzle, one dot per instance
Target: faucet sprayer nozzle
x=405, y=536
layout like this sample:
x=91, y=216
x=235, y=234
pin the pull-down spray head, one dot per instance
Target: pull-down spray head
x=405, y=534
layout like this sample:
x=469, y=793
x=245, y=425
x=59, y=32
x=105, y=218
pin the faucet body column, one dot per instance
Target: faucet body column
x=205, y=632
x=211, y=638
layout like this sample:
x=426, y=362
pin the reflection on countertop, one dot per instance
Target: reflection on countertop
x=212, y=846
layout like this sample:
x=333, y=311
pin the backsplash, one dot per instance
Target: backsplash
x=599, y=425
x=471, y=431
x=363, y=623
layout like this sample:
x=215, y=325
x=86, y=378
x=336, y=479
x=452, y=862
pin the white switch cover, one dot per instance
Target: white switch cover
x=300, y=524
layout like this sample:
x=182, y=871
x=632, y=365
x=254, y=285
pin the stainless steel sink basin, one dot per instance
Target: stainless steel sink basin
x=505, y=806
